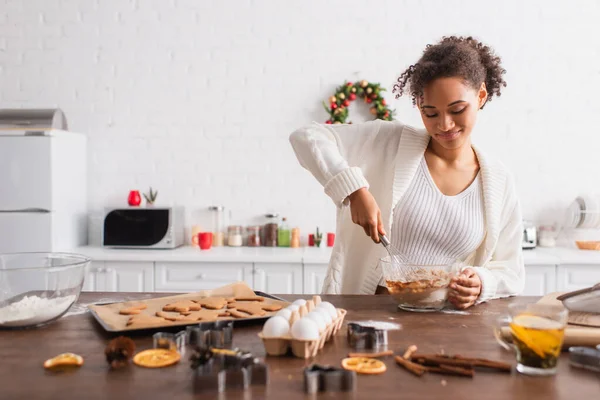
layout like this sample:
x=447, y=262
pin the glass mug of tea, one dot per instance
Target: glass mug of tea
x=537, y=333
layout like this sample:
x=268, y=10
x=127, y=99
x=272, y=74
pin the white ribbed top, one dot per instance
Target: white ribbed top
x=429, y=223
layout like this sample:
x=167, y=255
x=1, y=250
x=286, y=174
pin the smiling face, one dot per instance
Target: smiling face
x=449, y=109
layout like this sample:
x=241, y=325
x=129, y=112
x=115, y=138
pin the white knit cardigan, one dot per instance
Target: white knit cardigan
x=383, y=156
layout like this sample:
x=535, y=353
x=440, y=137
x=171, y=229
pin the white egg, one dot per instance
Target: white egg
x=293, y=307
x=299, y=302
x=285, y=313
x=325, y=314
x=318, y=318
x=330, y=309
x=305, y=329
x=276, y=326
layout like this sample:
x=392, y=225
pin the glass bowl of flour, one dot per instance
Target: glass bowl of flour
x=38, y=288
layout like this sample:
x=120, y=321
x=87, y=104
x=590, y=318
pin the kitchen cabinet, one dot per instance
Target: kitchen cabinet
x=94, y=280
x=278, y=278
x=314, y=276
x=577, y=276
x=120, y=276
x=194, y=276
x=539, y=280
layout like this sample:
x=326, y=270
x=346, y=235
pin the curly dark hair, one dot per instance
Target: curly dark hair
x=453, y=56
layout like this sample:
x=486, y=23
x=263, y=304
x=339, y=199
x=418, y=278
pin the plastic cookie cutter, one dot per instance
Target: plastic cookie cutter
x=170, y=341
x=369, y=334
x=224, y=369
x=319, y=378
x=211, y=334
x=585, y=357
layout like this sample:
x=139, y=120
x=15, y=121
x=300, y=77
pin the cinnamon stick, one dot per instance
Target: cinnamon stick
x=482, y=362
x=458, y=361
x=410, y=366
x=448, y=370
x=372, y=355
x=409, y=352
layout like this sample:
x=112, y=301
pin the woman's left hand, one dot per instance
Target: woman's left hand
x=464, y=289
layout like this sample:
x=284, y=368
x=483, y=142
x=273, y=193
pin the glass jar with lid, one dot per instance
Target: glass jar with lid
x=234, y=236
x=270, y=230
x=218, y=225
x=253, y=236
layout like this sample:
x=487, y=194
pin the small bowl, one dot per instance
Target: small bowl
x=38, y=288
x=419, y=283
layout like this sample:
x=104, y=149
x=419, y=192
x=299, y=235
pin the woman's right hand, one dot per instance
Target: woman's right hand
x=365, y=212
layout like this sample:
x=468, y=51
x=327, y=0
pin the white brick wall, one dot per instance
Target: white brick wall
x=197, y=98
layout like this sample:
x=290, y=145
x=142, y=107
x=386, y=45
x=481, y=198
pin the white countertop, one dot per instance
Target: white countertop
x=307, y=255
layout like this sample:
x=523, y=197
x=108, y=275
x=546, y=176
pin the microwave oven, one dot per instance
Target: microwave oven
x=134, y=227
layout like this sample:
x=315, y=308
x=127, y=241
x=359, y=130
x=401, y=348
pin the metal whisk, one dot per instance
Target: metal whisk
x=396, y=258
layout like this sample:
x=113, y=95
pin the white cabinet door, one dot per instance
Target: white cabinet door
x=124, y=276
x=275, y=278
x=574, y=277
x=314, y=275
x=195, y=276
x=119, y=276
x=94, y=277
x=539, y=280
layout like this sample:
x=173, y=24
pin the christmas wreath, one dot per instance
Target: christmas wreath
x=348, y=92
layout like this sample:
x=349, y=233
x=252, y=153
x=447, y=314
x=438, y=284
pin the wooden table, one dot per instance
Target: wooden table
x=23, y=352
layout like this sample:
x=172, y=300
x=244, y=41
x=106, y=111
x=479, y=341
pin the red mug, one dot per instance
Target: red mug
x=205, y=240
x=311, y=239
x=330, y=239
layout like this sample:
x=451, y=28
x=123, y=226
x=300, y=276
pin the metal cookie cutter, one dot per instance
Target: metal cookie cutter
x=222, y=369
x=585, y=357
x=318, y=378
x=211, y=334
x=369, y=334
x=170, y=341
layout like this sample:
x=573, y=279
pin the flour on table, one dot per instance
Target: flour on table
x=32, y=310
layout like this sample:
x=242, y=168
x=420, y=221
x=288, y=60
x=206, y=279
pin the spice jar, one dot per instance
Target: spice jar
x=295, y=242
x=218, y=225
x=270, y=230
x=234, y=236
x=253, y=236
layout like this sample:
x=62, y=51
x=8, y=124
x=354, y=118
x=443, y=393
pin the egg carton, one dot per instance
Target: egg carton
x=279, y=346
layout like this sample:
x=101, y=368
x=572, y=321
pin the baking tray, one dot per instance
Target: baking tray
x=180, y=326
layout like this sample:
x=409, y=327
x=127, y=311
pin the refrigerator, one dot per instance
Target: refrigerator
x=43, y=183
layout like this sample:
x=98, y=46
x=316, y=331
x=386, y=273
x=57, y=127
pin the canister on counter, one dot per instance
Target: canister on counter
x=234, y=236
x=270, y=229
x=295, y=242
x=253, y=239
x=218, y=225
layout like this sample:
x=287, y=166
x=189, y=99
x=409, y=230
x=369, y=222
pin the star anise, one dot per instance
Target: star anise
x=119, y=351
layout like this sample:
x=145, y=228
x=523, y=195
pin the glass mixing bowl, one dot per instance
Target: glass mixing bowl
x=38, y=288
x=419, y=282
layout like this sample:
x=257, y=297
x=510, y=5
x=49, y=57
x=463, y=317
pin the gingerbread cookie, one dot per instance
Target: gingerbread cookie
x=192, y=316
x=207, y=315
x=254, y=308
x=145, y=320
x=249, y=298
x=237, y=314
x=174, y=316
x=133, y=309
x=213, y=303
x=182, y=306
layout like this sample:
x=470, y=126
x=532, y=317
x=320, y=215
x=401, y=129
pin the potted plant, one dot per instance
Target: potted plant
x=150, y=197
x=318, y=237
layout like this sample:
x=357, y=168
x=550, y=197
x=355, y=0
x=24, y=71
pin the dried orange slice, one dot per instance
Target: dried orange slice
x=156, y=358
x=64, y=360
x=363, y=365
